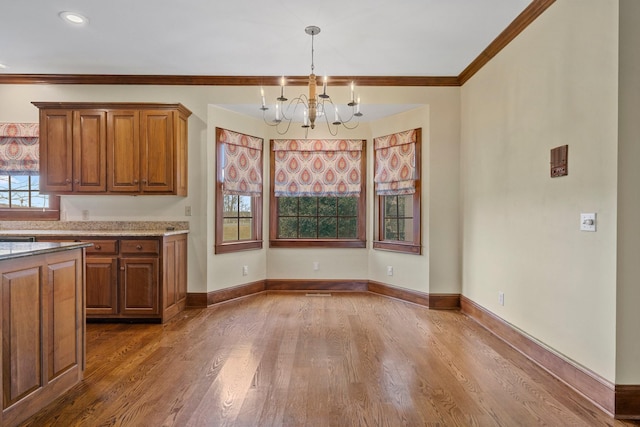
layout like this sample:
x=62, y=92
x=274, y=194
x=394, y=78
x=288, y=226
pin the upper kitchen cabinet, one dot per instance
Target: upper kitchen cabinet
x=113, y=148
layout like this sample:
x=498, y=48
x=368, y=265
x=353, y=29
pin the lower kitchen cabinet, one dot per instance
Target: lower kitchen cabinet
x=132, y=278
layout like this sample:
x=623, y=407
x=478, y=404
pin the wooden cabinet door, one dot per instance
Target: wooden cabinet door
x=21, y=331
x=90, y=151
x=102, y=285
x=157, y=168
x=139, y=286
x=182, y=154
x=123, y=147
x=63, y=314
x=56, y=150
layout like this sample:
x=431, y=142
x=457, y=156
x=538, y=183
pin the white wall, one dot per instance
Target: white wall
x=555, y=84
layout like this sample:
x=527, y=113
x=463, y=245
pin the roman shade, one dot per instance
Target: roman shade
x=242, y=163
x=395, y=163
x=19, y=149
x=317, y=167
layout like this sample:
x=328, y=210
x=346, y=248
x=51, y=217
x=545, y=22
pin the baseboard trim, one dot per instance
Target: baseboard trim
x=202, y=300
x=316, y=285
x=590, y=385
x=628, y=401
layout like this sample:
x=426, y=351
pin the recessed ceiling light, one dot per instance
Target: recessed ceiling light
x=73, y=17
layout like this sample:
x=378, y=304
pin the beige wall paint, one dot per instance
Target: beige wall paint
x=555, y=84
x=628, y=315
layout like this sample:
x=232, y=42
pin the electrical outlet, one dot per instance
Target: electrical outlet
x=389, y=270
x=245, y=270
x=501, y=297
x=316, y=266
x=187, y=211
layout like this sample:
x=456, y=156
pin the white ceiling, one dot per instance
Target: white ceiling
x=250, y=37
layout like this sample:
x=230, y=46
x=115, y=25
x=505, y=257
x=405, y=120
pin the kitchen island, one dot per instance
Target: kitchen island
x=42, y=352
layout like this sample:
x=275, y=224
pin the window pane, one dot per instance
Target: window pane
x=390, y=229
x=35, y=182
x=347, y=206
x=308, y=228
x=4, y=199
x=20, y=199
x=347, y=228
x=19, y=182
x=245, y=206
x=245, y=229
x=308, y=206
x=288, y=228
x=230, y=227
x=405, y=206
x=4, y=182
x=327, y=206
x=405, y=232
x=390, y=206
x=39, y=200
x=230, y=205
x=288, y=206
x=327, y=228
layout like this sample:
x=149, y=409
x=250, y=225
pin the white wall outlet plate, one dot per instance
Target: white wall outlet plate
x=588, y=222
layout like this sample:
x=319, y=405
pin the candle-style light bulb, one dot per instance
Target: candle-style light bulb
x=262, y=95
x=277, y=112
x=282, y=98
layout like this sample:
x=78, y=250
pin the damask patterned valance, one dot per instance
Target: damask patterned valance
x=395, y=163
x=19, y=149
x=317, y=167
x=242, y=163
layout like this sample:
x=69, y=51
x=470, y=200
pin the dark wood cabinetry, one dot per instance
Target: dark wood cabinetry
x=113, y=148
x=134, y=278
x=42, y=347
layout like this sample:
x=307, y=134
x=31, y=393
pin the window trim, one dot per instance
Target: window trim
x=222, y=247
x=359, y=242
x=414, y=247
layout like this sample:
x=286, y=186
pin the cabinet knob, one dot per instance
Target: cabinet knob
x=77, y=181
x=144, y=181
x=98, y=247
x=122, y=268
x=68, y=181
x=135, y=181
x=139, y=247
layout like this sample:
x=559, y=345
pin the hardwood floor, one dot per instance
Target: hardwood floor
x=284, y=359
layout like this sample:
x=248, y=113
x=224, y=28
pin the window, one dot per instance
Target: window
x=20, y=198
x=318, y=196
x=238, y=192
x=398, y=187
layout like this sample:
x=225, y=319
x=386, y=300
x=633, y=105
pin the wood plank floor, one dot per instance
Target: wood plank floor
x=297, y=360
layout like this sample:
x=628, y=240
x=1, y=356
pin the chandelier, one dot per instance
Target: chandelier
x=314, y=106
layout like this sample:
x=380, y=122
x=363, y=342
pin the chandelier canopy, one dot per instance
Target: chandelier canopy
x=314, y=105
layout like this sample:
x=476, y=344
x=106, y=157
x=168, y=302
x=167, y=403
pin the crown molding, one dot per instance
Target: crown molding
x=535, y=9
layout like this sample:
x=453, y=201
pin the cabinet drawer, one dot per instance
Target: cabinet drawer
x=107, y=247
x=139, y=247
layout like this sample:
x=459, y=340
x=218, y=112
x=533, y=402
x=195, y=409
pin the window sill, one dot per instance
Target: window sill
x=317, y=243
x=409, y=248
x=225, y=248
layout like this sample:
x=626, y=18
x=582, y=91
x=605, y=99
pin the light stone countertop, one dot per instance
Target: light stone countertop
x=23, y=249
x=93, y=228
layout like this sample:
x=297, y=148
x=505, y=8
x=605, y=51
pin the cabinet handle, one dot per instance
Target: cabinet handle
x=139, y=247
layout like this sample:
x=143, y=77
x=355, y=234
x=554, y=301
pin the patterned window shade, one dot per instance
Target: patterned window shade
x=19, y=149
x=317, y=167
x=242, y=163
x=395, y=163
